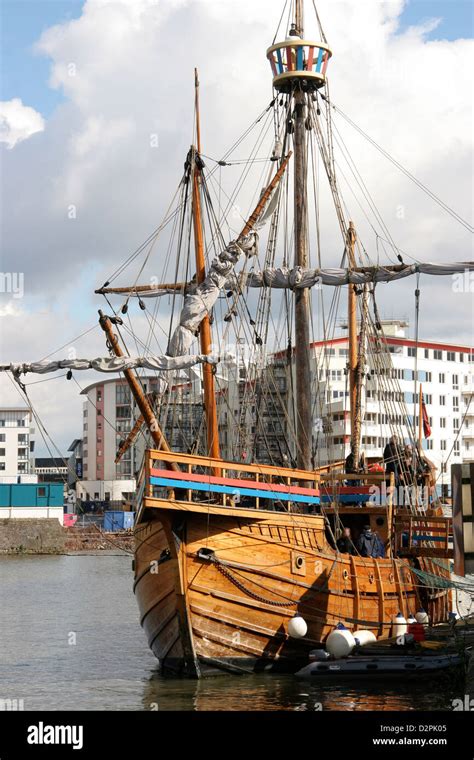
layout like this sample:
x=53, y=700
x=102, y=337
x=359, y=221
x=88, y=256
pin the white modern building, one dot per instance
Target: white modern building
x=446, y=374
x=16, y=445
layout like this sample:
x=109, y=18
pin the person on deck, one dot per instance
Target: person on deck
x=350, y=467
x=344, y=542
x=369, y=544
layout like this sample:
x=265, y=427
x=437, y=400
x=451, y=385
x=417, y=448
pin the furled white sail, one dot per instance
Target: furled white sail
x=200, y=302
x=112, y=364
x=298, y=277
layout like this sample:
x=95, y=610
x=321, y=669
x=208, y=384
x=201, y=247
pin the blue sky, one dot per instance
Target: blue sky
x=25, y=73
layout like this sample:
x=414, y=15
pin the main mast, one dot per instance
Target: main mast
x=302, y=304
x=299, y=69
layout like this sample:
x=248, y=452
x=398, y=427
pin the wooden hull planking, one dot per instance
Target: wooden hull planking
x=230, y=612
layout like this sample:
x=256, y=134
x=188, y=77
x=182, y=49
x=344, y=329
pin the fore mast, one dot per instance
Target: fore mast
x=299, y=69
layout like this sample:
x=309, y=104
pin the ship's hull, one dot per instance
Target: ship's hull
x=217, y=595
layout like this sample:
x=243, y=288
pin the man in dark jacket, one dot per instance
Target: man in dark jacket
x=344, y=542
x=369, y=544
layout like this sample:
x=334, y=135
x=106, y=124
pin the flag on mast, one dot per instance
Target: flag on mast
x=426, y=422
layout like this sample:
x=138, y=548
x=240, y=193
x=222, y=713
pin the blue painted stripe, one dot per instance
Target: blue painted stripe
x=320, y=59
x=280, y=61
x=232, y=490
x=299, y=59
x=427, y=538
x=359, y=497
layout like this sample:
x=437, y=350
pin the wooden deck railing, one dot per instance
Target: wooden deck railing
x=422, y=536
x=227, y=483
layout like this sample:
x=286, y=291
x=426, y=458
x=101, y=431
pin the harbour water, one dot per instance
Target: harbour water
x=71, y=640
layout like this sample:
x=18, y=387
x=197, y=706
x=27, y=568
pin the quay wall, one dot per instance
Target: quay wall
x=31, y=536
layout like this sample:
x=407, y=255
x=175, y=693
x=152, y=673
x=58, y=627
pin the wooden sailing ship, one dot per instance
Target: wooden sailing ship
x=228, y=553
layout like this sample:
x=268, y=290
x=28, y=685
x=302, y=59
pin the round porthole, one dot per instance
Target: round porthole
x=345, y=575
x=371, y=577
x=391, y=578
x=299, y=562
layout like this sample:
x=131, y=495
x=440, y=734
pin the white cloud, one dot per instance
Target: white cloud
x=18, y=122
x=126, y=70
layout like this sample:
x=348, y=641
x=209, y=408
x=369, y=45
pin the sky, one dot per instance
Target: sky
x=84, y=86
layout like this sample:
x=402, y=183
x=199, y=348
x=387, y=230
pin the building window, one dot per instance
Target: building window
x=123, y=412
x=444, y=468
x=456, y=403
x=455, y=423
x=451, y=356
x=2, y=452
x=2, y=438
x=84, y=413
x=85, y=426
x=2, y=423
x=99, y=412
x=411, y=351
x=442, y=445
x=442, y=400
x=41, y=491
x=427, y=353
x=429, y=444
x=456, y=381
x=456, y=447
x=442, y=422
x=2, y=466
x=122, y=394
x=99, y=394
x=21, y=423
x=99, y=426
x=442, y=378
x=96, y=495
x=438, y=355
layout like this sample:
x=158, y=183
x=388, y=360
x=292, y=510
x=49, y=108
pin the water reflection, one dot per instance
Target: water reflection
x=275, y=692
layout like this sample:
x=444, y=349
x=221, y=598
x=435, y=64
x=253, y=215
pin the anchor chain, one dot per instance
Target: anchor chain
x=227, y=574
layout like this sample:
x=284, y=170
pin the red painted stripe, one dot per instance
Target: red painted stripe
x=390, y=341
x=289, y=61
x=273, y=65
x=309, y=65
x=325, y=63
x=233, y=482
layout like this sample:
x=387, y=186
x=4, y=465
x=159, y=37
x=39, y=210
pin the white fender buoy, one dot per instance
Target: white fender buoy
x=411, y=619
x=340, y=642
x=399, y=625
x=422, y=617
x=362, y=638
x=297, y=627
